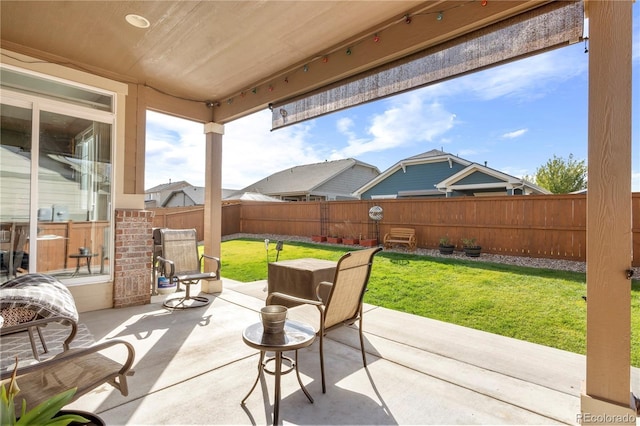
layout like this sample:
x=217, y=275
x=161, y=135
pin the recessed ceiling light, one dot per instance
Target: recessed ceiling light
x=138, y=21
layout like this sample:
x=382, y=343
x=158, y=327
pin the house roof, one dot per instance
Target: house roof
x=251, y=196
x=504, y=179
x=303, y=179
x=436, y=155
x=171, y=186
x=195, y=193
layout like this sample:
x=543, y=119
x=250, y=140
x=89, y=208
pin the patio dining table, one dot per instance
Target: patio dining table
x=299, y=277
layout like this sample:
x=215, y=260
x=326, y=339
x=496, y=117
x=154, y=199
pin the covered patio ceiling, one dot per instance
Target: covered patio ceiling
x=239, y=56
x=215, y=61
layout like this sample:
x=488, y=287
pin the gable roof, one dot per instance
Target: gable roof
x=171, y=186
x=303, y=179
x=433, y=156
x=456, y=181
x=195, y=193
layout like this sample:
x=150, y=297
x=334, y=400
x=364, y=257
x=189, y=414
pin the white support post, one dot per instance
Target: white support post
x=213, y=200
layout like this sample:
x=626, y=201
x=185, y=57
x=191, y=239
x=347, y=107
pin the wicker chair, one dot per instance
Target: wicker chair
x=180, y=261
x=339, y=303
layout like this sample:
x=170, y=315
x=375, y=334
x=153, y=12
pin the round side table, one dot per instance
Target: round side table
x=296, y=335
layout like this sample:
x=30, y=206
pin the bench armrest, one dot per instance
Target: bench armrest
x=25, y=326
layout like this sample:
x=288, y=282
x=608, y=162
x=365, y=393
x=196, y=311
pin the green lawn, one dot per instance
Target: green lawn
x=537, y=305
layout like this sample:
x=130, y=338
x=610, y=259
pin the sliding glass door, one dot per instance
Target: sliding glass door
x=55, y=180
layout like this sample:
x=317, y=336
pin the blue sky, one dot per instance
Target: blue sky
x=515, y=117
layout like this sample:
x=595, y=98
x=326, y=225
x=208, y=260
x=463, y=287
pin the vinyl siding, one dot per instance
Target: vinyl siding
x=342, y=185
x=417, y=177
x=476, y=178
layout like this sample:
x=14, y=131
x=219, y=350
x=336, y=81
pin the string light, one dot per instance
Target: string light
x=406, y=19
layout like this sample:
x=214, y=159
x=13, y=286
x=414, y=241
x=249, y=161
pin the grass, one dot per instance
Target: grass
x=537, y=305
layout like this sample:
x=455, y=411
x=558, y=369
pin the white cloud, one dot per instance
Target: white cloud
x=528, y=78
x=407, y=120
x=250, y=151
x=344, y=125
x=174, y=150
x=515, y=134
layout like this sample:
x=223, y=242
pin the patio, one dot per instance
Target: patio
x=193, y=368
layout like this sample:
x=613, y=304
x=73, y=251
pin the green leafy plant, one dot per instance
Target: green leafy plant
x=445, y=242
x=43, y=414
x=469, y=242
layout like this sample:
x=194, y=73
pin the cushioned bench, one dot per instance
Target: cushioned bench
x=83, y=368
x=31, y=301
x=403, y=236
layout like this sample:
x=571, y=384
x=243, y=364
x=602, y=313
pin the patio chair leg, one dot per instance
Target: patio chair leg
x=324, y=387
x=44, y=344
x=364, y=357
x=33, y=344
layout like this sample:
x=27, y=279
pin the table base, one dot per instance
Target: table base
x=278, y=359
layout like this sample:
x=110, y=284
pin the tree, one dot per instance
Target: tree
x=560, y=176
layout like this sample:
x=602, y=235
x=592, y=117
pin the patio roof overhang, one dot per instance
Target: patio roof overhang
x=202, y=60
x=238, y=56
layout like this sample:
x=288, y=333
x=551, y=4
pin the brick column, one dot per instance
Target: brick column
x=132, y=265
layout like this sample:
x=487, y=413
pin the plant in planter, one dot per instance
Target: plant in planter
x=470, y=247
x=318, y=238
x=335, y=235
x=46, y=413
x=445, y=246
x=368, y=242
x=351, y=235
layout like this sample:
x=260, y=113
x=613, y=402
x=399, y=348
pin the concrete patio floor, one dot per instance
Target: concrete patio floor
x=192, y=367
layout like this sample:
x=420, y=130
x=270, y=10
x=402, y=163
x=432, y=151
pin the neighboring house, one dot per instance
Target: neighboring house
x=185, y=197
x=329, y=180
x=156, y=196
x=438, y=174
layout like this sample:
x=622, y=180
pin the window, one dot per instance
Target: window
x=55, y=178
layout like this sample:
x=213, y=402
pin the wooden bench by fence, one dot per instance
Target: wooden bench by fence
x=406, y=236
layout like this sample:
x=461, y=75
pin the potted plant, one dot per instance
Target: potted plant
x=368, y=242
x=335, y=234
x=334, y=239
x=445, y=246
x=470, y=247
x=351, y=236
x=46, y=413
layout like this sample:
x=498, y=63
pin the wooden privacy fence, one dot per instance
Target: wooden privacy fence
x=193, y=217
x=549, y=226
